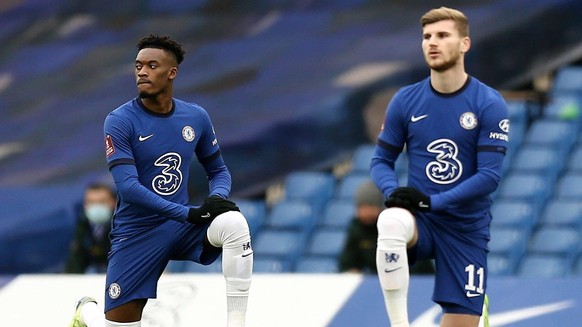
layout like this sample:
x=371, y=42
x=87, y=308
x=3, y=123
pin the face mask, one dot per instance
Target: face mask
x=98, y=213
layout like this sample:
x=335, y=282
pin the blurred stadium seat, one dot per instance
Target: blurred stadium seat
x=292, y=215
x=349, y=184
x=568, y=81
x=255, y=211
x=543, y=266
x=327, y=242
x=269, y=265
x=533, y=187
x=514, y=213
x=317, y=265
x=546, y=160
x=312, y=187
x=510, y=242
x=362, y=158
x=569, y=186
x=500, y=265
x=562, y=213
x=286, y=246
x=338, y=213
x=560, y=241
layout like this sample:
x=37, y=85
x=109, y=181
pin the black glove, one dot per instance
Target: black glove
x=408, y=198
x=213, y=206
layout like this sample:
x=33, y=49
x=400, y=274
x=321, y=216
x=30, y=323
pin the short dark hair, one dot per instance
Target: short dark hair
x=162, y=42
x=96, y=186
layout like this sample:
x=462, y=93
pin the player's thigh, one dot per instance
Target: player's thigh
x=128, y=312
x=459, y=320
x=193, y=245
x=461, y=272
x=422, y=248
x=135, y=265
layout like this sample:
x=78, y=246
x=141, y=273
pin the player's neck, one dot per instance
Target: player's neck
x=162, y=104
x=448, y=81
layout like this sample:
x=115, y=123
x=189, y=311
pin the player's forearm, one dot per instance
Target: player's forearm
x=383, y=175
x=483, y=183
x=132, y=192
x=219, y=179
x=478, y=185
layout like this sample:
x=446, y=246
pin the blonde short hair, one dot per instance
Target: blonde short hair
x=445, y=13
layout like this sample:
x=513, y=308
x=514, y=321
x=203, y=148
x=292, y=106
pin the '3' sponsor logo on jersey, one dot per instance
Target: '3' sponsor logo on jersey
x=170, y=178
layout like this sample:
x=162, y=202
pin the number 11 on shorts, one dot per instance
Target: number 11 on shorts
x=472, y=275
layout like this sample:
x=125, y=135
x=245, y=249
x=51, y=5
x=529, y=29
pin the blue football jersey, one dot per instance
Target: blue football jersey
x=443, y=135
x=161, y=148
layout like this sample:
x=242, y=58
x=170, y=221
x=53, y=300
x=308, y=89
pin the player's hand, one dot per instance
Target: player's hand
x=213, y=206
x=408, y=198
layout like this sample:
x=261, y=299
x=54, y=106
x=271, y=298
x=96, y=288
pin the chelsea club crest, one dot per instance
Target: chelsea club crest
x=468, y=120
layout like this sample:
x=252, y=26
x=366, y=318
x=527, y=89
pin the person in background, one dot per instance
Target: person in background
x=90, y=245
x=359, y=252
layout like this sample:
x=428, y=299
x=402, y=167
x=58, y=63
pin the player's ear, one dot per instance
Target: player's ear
x=173, y=73
x=465, y=44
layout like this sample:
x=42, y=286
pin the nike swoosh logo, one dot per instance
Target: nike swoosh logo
x=414, y=119
x=206, y=215
x=143, y=138
x=427, y=318
x=422, y=205
x=469, y=294
x=246, y=255
x=391, y=270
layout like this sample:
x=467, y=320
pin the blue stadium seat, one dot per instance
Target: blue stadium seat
x=560, y=212
x=574, y=163
x=517, y=134
x=511, y=242
x=314, y=187
x=327, y=242
x=255, y=211
x=568, y=81
x=270, y=265
x=338, y=213
x=500, y=265
x=566, y=107
x=281, y=245
x=532, y=187
x=316, y=265
x=543, y=266
x=547, y=160
x=577, y=270
x=569, y=186
x=562, y=241
x=518, y=111
x=362, y=157
x=349, y=184
x=557, y=133
x=514, y=213
x=292, y=215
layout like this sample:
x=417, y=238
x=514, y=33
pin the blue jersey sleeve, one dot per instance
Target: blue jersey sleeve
x=484, y=182
x=219, y=179
x=208, y=153
x=389, y=145
x=131, y=191
x=117, y=140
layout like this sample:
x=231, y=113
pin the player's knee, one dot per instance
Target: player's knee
x=395, y=224
x=228, y=230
